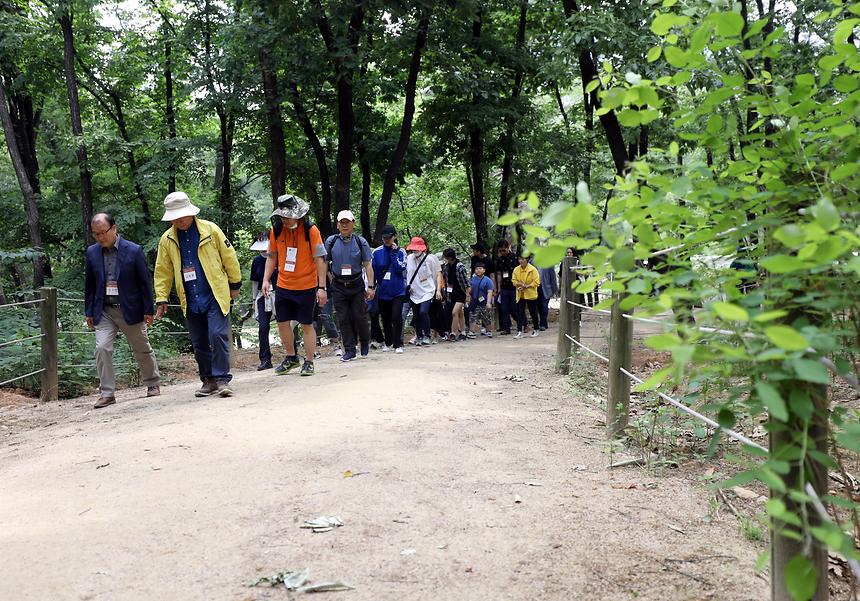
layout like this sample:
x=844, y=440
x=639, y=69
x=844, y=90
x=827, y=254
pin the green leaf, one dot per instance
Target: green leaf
x=629, y=118
x=623, y=259
x=826, y=214
x=845, y=83
x=654, y=54
x=771, y=399
x=654, y=381
x=663, y=342
x=844, y=29
x=508, y=219
x=663, y=22
x=730, y=312
x=770, y=315
x=728, y=24
x=715, y=124
x=548, y=256
x=676, y=57
x=800, y=578
x=791, y=235
x=783, y=264
x=811, y=371
x=844, y=170
x=786, y=337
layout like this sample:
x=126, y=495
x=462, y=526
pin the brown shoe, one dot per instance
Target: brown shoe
x=104, y=402
x=153, y=391
x=210, y=387
x=224, y=389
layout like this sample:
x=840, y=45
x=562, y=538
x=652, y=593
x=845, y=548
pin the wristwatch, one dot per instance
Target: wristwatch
x=371, y=287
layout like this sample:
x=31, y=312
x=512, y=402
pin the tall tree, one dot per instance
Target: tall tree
x=65, y=19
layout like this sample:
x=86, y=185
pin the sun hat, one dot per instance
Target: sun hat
x=388, y=231
x=346, y=214
x=177, y=205
x=417, y=243
x=262, y=242
x=291, y=207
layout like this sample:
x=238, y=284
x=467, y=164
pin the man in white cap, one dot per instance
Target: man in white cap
x=298, y=252
x=196, y=257
x=348, y=253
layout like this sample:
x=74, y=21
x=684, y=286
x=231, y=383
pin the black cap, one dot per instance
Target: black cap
x=388, y=231
x=480, y=246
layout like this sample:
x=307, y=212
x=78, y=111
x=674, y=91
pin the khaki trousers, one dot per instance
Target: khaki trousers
x=106, y=329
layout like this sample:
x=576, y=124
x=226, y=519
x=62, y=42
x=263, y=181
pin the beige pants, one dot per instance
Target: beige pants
x=106, y=329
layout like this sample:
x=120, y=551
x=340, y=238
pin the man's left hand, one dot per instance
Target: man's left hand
x=322, y=297
x=148, y=319
x=370, y=294
x=234, y=293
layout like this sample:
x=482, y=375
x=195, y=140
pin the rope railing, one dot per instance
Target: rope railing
x=35, y=301
x=16, y=378
x=20, y=340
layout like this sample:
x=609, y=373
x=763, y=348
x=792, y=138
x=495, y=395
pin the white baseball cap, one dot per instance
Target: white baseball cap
x=345, y=214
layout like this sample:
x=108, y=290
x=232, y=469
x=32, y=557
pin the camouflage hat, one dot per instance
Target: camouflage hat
x=291, y=207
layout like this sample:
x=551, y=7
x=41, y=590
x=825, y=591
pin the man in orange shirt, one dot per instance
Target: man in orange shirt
x=297, y=249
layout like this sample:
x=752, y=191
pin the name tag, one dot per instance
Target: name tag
x=289, y=266
x=189, y=274
x=346, y=270
x=111, y=289
x=481, y=299
x=449, y=289
x=292, y=254
x=387, y=276
x=507, y=274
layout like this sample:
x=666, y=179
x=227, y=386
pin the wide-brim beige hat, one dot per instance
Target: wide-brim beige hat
x=291, y=207
x=177, y=205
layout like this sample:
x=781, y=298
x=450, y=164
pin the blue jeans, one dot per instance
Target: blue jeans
x=264, y=319
x=543, y=309
x=325, y=319
x=421, y=319
x=210, y=337
x=507, y=308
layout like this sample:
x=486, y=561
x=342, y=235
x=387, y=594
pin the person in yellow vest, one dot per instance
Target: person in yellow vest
x=196, y=257
x=526, y=280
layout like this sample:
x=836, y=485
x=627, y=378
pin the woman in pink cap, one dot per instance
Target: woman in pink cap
x=423, y=283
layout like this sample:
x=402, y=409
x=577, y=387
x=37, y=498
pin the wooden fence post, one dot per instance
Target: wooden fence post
x=783, y=446
x=50, y=382
x=620, y=344
x=566, y=319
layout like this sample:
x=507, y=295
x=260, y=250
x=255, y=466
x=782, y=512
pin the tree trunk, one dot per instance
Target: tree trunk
x=390, y=180
x=301, y=115
x=364, y=215
x=277, y=147
x=227, y=125
x=169, y=112
x=77, y=129
x=24, y=121
x=27, y=191
x=589, y=136
x=510, y=122
x=476, y=165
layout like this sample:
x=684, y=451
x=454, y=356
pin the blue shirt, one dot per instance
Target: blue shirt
x=353, y=252
x=197, y=292
x=481, y=287
x=389, y=272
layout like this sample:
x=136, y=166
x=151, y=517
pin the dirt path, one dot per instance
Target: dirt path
x=193, y=499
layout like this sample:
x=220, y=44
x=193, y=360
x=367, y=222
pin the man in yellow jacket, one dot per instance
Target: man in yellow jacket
x=196, y=257
x=526, y=279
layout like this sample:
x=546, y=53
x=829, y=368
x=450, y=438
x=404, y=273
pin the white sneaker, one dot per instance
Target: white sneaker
x=338, y=351
x=398, y=350
x=385, y=349
x=534, y=333
x=374, y=345
x=483, y=331
x=413, y=340
x=519, y=335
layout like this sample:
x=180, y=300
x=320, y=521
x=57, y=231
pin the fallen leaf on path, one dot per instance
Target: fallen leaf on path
x=98, y=467
x=624, y=485
x=469, y=570
x=579, y=468
x=676, y=529
x=533, y=483
x=322, y=524
x=744, y=493
x=325, y=587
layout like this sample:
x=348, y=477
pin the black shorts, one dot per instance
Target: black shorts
x=457, y=296
x=297, y=305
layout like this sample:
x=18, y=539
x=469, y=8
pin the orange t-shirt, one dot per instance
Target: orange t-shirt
x=296, y=267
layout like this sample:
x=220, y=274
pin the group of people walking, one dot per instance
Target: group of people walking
x=300, y=280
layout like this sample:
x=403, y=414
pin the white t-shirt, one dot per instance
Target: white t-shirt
x=424, y=286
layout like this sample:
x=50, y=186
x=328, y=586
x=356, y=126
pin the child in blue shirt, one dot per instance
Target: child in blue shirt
x=481, y=303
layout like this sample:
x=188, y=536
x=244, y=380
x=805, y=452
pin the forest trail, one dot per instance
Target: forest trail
x=464, y=485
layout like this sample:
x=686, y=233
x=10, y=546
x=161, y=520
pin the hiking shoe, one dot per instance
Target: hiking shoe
x=337, y=352
x=210, y=387
x=471, y=335
x=153, y=391
x=348, y=356
x=308, y=368
x=374, y=345
x=504, y=332
x=365, y=349
x=519, y=335
x=425, y=341
x=289, y=362
x=266, y=365
x=452, y=337
x=489, y=334
x=385, y=348
x=534, y=333
x=104, y=402
x=399, y=350
x=224, y=389
x=462, y=336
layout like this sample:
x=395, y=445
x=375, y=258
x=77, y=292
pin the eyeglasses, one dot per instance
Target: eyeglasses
x=95, y=233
